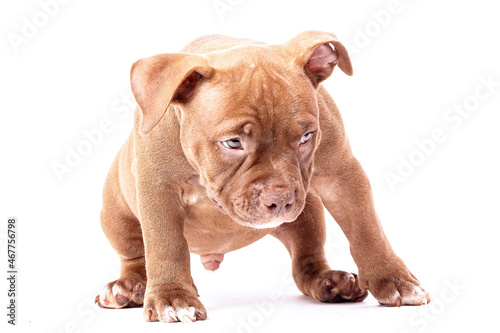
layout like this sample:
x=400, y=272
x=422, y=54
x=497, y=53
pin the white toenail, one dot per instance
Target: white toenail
x=416, y=297
x=102, y=296
x=186, y=315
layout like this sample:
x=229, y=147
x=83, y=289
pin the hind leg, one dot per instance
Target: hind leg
x=305, y=241
x=125, y=235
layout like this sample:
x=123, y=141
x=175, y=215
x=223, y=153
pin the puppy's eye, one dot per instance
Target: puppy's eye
x=232, y=143
x=306, y=137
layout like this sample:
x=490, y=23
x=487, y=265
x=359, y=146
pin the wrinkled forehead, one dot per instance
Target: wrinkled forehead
x=258, y=82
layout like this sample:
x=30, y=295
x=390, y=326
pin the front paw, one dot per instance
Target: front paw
x=170, y=306
x=394, y=286
x=336, y=287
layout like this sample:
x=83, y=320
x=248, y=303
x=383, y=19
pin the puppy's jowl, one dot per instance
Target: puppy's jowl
x=231, y=135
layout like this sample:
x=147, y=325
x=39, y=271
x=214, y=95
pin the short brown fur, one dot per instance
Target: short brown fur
x=176, y=187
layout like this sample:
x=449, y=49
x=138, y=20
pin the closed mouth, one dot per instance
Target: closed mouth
x=256, y=222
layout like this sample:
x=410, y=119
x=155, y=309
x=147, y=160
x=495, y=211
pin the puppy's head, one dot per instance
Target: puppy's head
x=249, y=119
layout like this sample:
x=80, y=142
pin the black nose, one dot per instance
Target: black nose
x=278, y=202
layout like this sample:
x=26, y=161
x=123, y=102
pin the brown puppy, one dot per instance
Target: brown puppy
x=233, y=135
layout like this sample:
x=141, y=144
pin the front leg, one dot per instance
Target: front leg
x=346, y=194
x=170, y=293
x=305, y=241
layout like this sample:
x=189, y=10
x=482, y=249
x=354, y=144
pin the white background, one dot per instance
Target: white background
x=410, y=68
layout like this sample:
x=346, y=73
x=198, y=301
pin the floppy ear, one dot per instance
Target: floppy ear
x=318, y=53
x=159, y=80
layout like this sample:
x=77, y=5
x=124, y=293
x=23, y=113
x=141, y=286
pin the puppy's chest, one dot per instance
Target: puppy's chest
x=207, y=228
x=202, y=213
